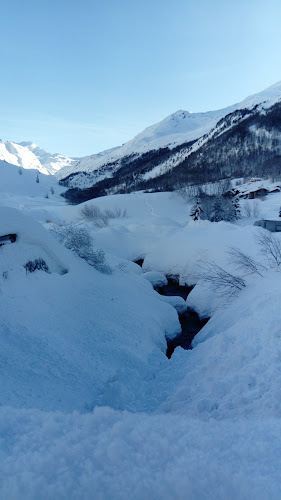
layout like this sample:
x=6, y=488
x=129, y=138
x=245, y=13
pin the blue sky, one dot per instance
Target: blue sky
x=81, y=76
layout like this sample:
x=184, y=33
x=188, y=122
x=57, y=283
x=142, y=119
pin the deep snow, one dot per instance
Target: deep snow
x=90, y=405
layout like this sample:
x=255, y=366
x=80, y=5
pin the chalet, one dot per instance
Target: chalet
x=257, y=193
x=274, y=226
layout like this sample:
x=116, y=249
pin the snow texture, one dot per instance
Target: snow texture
x=90, y=405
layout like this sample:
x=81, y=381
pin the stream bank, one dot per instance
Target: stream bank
x=190, y=322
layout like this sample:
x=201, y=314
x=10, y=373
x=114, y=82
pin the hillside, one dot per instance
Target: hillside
x=241, y=140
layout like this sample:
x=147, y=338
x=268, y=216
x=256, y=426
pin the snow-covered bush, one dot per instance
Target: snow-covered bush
x=95, y=215
x=79, y=240
x=37, y=264
x=101, y=218
x=217, y=208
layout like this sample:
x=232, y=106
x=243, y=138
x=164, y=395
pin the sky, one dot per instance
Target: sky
x=82, y=76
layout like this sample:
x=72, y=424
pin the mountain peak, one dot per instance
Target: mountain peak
x=28, y=155
x=275, y=86
x=27, y=143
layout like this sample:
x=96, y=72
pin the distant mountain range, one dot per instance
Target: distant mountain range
x=29, y=155
x=241, y=140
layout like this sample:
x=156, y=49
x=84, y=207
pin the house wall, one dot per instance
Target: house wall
x=271, y=225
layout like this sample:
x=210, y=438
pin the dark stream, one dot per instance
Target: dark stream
x=190, y=322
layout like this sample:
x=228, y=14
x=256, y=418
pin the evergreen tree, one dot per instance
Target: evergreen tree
x=237, y=210
x=217, y=211
x=196, y=211
x=37, y=178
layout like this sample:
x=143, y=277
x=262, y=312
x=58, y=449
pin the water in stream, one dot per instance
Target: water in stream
x=190, y=322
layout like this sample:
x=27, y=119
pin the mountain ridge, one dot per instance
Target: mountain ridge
x=181, y=126
x=176, y=144
x=30, y=156
x=242, y=139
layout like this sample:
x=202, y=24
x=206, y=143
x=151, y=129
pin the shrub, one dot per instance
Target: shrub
x=225, y=283
x=244, y=262
x=80, y=241
x=37, y=264
x=251, y=208
x=101, y=218
x=270, y=248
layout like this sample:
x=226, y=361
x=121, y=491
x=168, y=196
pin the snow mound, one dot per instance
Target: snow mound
x=177, y=302
x=59, y=349
x=156, y=279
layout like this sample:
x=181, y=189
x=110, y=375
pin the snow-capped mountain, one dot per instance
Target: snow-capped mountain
x=176, y=129
x=29, y=155
x=179, y=147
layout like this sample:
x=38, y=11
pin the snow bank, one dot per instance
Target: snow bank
x=95, y=407
x=234, y=369
x=177, y=302
x=21, y=191
x=69, y=341
x=155, y=278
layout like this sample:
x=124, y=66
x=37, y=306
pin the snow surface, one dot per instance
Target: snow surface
x=155, y=278
x=90, y=405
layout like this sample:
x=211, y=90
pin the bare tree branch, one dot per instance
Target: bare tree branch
x=244, y=262
x=224, y=282
x=270, y=247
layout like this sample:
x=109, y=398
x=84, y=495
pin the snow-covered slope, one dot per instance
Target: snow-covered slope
x=178, y=128
x=203, y=425
x=29, y=156
x=66, y=361
x=16, y=183
x=90, y=405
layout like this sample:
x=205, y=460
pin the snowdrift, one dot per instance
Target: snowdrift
x=69, y=336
